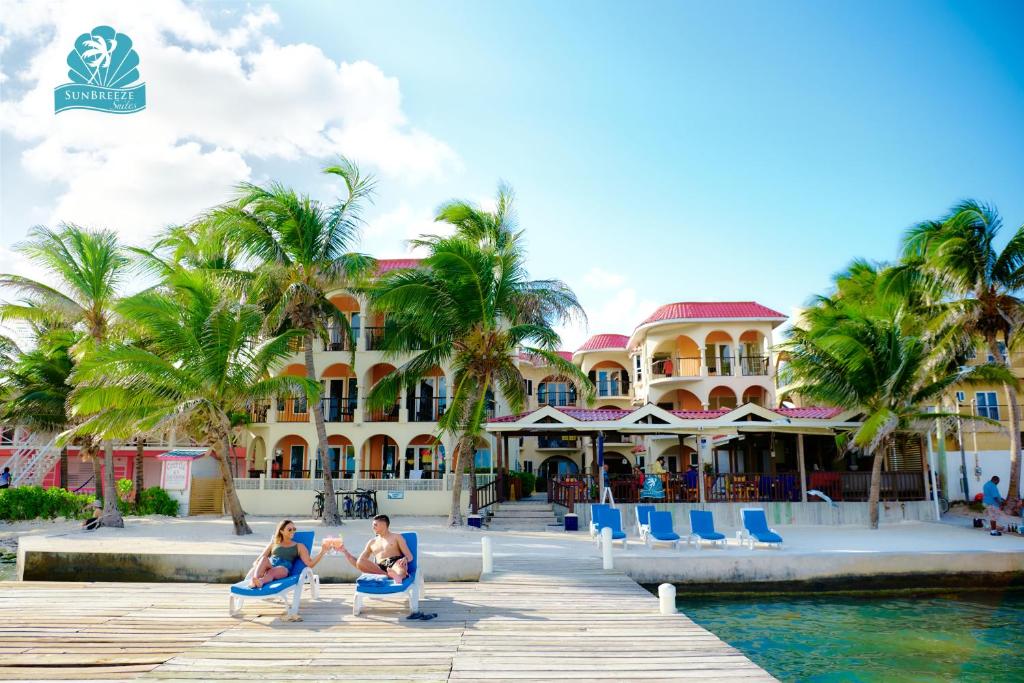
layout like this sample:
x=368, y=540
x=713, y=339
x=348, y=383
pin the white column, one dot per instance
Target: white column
x=803, y=466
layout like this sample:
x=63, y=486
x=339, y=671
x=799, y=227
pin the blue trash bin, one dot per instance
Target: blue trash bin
x=474, y=520
x=572, y=522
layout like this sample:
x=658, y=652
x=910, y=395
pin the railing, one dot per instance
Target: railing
x=719, y=367
x=856, y=486
x=258, y=412
x=426, y=408
x=485, y=495
x=389, y=414
x=293, y=410
x=753, y=365
x=339, y=343
x=567, y=492
x=374, y=338
x=289, y=474
x=752, y=486
x=338, y=409
x=686, y=366
x=379, y=474
x=611, y=387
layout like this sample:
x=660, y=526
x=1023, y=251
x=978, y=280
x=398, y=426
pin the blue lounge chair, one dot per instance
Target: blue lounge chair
x=300, y=576
x=702, y=528
x=377, y=586
x=756, y=530
x=595, y=510
x=643, y=525
x=661, y=530
x=612, y=519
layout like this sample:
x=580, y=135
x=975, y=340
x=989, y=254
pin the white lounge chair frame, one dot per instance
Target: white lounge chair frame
x=743, y=536
x=306, y=578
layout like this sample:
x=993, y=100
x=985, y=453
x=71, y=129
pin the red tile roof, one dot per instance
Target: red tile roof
x=587, y=415
x=604, y=341
x=532, y=358
x=713, y=309
x=809, y=412
x=386, y=264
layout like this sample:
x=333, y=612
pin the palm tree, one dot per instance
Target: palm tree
x=206, y=361
x=471, y=307
x=88, y=267
x=861, y=356
x=977, y=285
x=303, y=252
x=34, y=387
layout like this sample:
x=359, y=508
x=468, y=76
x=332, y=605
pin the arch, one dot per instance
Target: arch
x=345, y=303
x=721, y=397
x=423, y=453
x=610, y=378
x=678, y=399
x=374, y=374
x=555, y=391
x=719, y=352
x=756, y=394
x=678, y=459
x=293, y=370
x=609, y=408
x=718, y=337
x=427, y=399
x=379, y=457
x=337, y=370
x=292, y=463
x=555, y=466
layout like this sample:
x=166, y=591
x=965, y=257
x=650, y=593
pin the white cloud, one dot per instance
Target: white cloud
x=217, y=100
x=599, y=278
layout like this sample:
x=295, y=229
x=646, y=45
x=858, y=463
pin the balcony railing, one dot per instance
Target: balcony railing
x=389, y=414
x=426, y=408
x=719, y=367
x=338, y=409
x=258, y=412
x=754, y=365
x=556, y=442
x=293, y=410
x=374, y=338
x=684, y=366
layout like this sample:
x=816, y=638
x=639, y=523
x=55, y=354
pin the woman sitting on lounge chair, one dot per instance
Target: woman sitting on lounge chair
x=277, y=558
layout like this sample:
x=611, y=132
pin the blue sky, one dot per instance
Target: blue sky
x=659, y=152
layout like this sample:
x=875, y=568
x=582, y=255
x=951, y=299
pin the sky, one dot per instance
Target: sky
x=659, y=152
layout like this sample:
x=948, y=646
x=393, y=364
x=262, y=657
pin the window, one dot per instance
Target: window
x=528, y=466
x=528, y=386
x=987, y=405
x=960, y=397
x=1002, y=352
x=556, y=394
x=296, y=456
x=639, y=372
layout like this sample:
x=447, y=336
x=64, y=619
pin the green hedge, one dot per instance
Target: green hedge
x=35, y=502
x=529, y=480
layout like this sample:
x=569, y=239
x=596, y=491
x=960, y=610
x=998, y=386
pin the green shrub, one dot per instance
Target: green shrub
x=528, y=479
x=124, y=488
x=156, y=501
x=35, y=502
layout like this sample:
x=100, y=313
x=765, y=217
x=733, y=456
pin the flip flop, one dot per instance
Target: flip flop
x=415, y=615
x=427, y=617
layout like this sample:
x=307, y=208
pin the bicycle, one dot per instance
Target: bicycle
x=365, y=503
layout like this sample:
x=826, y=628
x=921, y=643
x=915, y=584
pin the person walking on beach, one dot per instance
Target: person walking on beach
x=385, y=554
x=991, y=499
x=280, y=554
x=5, y=478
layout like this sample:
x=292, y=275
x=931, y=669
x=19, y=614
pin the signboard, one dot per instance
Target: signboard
x=396, y=495
x=175, y=475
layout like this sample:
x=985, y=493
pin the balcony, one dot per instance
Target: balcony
x=375, y=338
x=389, y=414
x=293, y=410
x=688, y=367
x=753, y=366
x=258, y=412
x=692, y=367
x=338, y=408
x=426, y=408
x=556, y=443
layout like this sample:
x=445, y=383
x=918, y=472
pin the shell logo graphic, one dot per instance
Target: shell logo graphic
x=103, y=69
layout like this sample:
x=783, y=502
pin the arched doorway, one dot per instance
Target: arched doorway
x=554, y=466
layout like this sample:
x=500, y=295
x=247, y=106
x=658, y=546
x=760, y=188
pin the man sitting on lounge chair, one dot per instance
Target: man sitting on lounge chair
x=386, y=553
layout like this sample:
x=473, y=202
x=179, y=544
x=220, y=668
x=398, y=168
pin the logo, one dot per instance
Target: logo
x=103, y=68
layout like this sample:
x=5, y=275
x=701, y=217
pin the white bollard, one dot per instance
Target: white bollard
x=606, y=547
x=488, y=556
x=667, y=598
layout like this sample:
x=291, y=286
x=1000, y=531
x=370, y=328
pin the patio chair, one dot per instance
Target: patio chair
x=643, y=525
x=702, y=528
x=661, y=530
x=299, y=576
x=755, y=529
x=595, y=510
x=376, y=585
x=612, y=519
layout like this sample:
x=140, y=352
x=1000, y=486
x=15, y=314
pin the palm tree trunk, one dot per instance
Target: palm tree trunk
x=97, y=468
x=111, y=515
x=64, y=467
x=876, y=485
x=1013, y=407
x=455, y=511
x=140, y=452
x=331, y=516
x=230, y=494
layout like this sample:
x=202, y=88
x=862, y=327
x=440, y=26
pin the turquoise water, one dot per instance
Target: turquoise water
x=956, y=636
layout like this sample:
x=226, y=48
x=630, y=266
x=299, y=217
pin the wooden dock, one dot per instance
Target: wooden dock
x=557, y=619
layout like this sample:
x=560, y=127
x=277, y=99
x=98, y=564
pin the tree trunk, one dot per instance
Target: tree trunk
x=876, y=485
x=140, y=452
x=111, y=515
x=331, y=516
x=97, y=468
x=1013, y=408
x=64, y=467
x=230, y=494
x=455, y=512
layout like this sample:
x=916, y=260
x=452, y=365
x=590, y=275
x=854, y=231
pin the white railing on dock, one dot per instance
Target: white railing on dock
x=262, y=483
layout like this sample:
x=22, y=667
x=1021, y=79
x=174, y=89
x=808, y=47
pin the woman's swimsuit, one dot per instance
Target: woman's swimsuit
x=281, y=556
